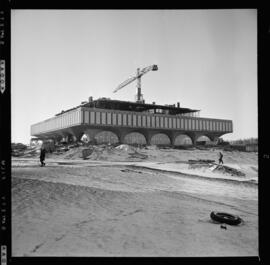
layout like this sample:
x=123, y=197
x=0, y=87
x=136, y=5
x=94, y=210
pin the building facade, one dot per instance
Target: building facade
x=91, y=121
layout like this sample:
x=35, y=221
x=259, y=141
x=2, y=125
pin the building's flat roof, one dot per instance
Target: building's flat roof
x=104, y=103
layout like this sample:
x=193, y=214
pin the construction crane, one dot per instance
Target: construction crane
x=140, y=73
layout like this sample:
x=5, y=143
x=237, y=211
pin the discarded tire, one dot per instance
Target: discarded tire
x=226, y=218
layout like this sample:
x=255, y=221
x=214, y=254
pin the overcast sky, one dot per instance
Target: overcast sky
x=207, y=60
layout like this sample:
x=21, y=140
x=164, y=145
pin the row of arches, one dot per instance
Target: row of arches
x=139, y=138
x=124, y=135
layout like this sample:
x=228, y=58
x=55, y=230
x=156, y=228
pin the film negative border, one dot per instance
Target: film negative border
x=5, y=123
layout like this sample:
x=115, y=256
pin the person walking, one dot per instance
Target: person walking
x=220, y=161
x=42, y=156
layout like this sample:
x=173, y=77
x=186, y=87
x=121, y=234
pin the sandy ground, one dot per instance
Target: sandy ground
x=117, y=206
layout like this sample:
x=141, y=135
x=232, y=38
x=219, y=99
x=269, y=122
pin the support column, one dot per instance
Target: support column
x=193, y=137
x=148, y=139
x=214, y=138
x=121, y=136
x=148, y=136
x=173, y=137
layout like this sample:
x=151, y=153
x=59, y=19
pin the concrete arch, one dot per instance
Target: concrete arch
x=160, y=138
x=214, y=137
x=77, y=136
x=183, y=139
x=66, y=137
x=202, y=139
x=135, y=137
x=211, y=136
x=106, y=136
x=89, y=135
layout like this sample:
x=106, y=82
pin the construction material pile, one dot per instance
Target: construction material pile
x=22, y=150
x=83, y=151
x=17, y=149
x=138, y=155
x=204, y=163
x=229, y=170
x=201, y=161
x=124, y=147
x=133, y=152
x=103, y=152
x=86, y=152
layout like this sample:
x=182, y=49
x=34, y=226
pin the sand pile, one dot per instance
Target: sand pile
x=73, y=153
x=229, y=170
x=121, y=152
x=210, y=164
x=110, y=211
x=124, y=152
x=91, y=152
x=125, y=147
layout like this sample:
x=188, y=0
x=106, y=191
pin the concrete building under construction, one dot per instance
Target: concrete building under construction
x=124, y=118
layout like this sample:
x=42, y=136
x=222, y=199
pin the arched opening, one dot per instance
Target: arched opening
x=134, y=138
x=79, y=137
x=66, y=138
x=202, y=140
x=85, y=138
x=106, y=137
x=160, y=139
x=182, y=139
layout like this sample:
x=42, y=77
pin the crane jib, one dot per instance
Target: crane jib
x=153, y=67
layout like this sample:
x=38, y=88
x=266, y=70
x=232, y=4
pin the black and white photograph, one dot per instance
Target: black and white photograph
x=134, y=133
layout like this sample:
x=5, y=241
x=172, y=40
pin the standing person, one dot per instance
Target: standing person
x=42, y=156
x=220, y=158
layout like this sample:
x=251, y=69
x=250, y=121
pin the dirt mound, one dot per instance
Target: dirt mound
x=210, y=164
x=201, y=161
x=124, y=147
x=100, y=152
x=17, y=149
x=45, y=194
x=73, y=153
x=229, y=170
x=58, y=219
x=22, y=150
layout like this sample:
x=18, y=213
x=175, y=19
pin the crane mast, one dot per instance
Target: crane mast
x=139, y=74
x=139, y=96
